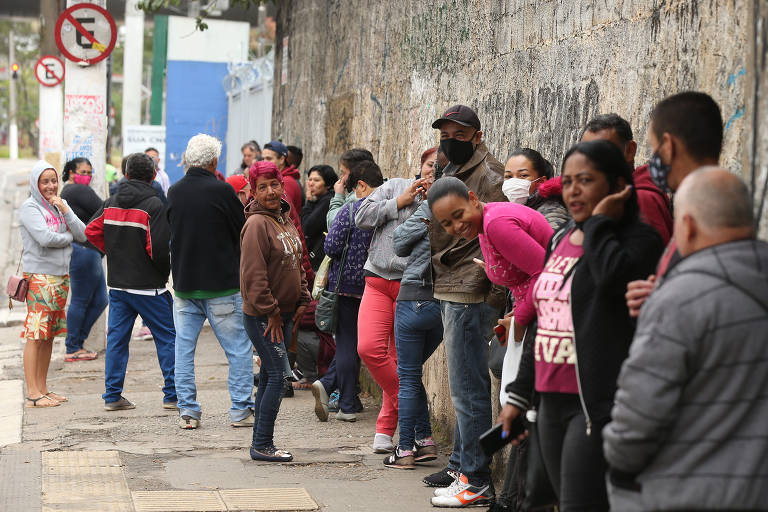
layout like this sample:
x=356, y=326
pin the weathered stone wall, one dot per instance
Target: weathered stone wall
x=375, y=74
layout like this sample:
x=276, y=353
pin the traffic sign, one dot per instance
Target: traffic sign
x=86, y=33
x=49, y=70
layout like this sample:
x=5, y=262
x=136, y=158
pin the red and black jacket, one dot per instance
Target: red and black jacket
x=132, y=229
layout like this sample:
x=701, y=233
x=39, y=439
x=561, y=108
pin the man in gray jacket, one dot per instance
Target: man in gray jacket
x=689, y=423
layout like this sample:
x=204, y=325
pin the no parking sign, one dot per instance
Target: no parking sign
x=86, y=33
x=49, y=70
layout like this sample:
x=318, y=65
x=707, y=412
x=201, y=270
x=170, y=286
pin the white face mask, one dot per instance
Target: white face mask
x=516, y=190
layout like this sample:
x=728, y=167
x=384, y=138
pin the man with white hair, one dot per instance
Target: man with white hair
x=689, y=420
x=206, y=218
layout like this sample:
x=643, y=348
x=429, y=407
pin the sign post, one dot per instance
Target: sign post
x=85, y=35
x=49, y=71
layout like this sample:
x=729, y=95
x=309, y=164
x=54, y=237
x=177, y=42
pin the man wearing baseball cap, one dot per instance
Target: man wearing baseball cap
x=277, y=153
x=471, y=306
x=241, y=186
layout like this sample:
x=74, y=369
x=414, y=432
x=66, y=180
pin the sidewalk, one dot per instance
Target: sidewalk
x=333, y=461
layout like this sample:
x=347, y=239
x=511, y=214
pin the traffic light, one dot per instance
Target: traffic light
x=15, y=70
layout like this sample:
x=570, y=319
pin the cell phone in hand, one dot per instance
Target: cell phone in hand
x=491, y=441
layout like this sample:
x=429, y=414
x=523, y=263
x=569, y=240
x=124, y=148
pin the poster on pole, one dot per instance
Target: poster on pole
x=137, y=138
x=49, y=70
x=85, y=33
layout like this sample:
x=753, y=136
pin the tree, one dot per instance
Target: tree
x=152, y=6
x=27, y=39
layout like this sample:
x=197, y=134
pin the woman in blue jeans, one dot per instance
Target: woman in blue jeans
x=88, y=290
x=275, y=294
x=418, y=332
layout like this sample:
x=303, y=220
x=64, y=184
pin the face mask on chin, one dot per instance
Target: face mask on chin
x=516, y=190
x=81, y=179
x=659, y=172
x=458, y=151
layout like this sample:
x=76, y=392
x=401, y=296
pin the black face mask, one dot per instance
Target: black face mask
x=458, y=151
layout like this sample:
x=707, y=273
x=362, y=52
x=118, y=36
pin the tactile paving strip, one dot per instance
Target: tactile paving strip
x=268, y=499
x=84, y=481
x=178, y=501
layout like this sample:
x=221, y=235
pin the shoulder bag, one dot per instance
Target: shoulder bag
x=17, y=286
x=328, y=302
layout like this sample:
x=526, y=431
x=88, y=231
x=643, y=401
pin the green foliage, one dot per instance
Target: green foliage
x=27, y=43
x=152, y=6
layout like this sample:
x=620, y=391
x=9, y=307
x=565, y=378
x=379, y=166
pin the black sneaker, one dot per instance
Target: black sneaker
x=499, y=507
x=287, y=390
x=442, y=478
x=270, y=454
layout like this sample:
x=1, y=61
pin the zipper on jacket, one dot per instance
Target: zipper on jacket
x=578, y=379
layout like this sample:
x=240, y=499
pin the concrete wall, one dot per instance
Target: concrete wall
x=375, y=74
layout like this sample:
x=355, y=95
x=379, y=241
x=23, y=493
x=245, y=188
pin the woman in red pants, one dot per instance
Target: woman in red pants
x=388, y=207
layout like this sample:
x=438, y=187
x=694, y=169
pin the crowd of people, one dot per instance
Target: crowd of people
x=628, y=303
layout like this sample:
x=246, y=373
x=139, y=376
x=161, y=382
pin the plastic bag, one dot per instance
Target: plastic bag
x=321, y=277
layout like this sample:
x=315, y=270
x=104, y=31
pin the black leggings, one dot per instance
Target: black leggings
x=574, y=461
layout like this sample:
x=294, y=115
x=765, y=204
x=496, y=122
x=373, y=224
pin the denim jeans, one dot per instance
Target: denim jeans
x=344, y=370
x=467, y=330
x=88, y=293
x=418, y=332
x=157, y=313
x=270, y=393
x=225, y=314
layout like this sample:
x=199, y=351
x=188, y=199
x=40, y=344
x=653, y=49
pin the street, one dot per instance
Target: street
x=78, y=457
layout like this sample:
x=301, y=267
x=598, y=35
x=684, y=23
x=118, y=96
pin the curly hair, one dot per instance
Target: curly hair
x=201, y=151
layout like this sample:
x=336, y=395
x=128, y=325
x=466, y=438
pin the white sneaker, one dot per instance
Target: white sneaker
x=453, y=488
x=382, y=443
x=321, y=400
x=466, y=495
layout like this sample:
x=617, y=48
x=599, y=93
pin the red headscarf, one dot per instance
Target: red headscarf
x=263, y=168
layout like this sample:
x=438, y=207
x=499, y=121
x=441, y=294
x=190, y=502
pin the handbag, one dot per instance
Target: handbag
x=17, y=286
x=328, y=302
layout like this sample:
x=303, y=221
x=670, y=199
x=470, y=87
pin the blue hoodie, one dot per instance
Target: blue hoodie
x=46, y=234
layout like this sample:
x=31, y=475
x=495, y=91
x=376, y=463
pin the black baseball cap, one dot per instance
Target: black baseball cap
x=459, y=114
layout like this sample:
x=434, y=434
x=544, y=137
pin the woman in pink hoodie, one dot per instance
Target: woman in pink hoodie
x=512, y=238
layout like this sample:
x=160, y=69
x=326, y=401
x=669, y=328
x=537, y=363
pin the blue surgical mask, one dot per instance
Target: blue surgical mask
x=659, y=172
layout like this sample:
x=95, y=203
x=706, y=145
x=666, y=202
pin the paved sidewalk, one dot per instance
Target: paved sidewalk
x=334, y=461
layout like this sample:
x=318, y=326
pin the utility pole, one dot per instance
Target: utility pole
x=13, y=129
x=132, y=65
x=51, y=99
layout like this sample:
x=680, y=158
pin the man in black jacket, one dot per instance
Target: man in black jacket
x=132, y=230
x=206, y=218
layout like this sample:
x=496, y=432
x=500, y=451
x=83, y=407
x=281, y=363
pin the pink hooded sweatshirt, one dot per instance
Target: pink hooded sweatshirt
x=513, y=242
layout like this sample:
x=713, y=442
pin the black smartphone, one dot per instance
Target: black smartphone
x=491, y=440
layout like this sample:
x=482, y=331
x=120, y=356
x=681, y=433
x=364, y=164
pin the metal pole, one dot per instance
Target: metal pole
x=13, y=129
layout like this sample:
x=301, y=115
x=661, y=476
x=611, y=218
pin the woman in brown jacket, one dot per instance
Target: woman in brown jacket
x=275, y=294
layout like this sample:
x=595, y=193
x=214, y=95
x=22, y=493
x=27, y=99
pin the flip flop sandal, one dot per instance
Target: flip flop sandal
x=81, y=356
x=49, y=402
x=56, y=397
